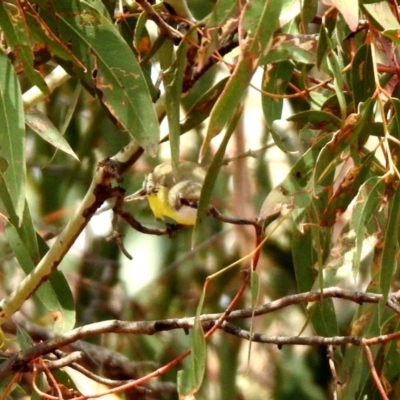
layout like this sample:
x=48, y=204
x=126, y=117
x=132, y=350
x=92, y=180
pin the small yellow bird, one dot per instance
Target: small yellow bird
x=173, y=195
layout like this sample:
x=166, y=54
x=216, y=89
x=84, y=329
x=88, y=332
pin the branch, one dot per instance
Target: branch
x=292, y=340
x=164, y=28
x=100, y=190
x=19, y=361
x=54, y=79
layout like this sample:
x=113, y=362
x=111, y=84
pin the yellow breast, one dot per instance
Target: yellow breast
x=161, y=208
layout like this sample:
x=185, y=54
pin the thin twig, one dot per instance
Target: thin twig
x=20, y=360
x=374, y=373
x=165, y=29
x=332, y=367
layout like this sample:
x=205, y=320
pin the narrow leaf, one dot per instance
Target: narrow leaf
x=362, y=74
x=390, y=248
x=275, y=80
x=173, y=79
x=299, y=48
x=201, y=109
x=12, y=135
x=259, y=21
x=117, y=75
x=223, y=15
x=365, y=207
x=25, y=229
x=213, y=171
x=49, y=292
x=15, y=28
x=349, y=10
x=42, y=125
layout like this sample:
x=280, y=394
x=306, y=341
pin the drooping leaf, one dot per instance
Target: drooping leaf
x=382, y=15
x=15, y=28
x=274, y=81
x=218, y=26
x=335, y=69
x=190, y=379
x=343, y=140
x=365, y=207
x=23, y=338
x=47, y=37
x=349, y=10
x=296, y=185
x=115, y=72
x=12, y=135
x=25, y=229
x=346, y=191
x=200, y=110
x=173, y=79
x=362, y=75
x=259, y=21
x=317, y=120
x=390, y=247
x=51, y=293
x=299, y=48
x=213, y=170
x=308, y=11
x=42, y=125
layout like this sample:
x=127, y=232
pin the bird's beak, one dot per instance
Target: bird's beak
x=139, y=195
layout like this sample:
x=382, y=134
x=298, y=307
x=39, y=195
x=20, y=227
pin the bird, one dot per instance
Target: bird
x=173, y=194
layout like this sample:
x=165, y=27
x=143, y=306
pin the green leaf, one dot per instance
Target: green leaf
x=273, y=205
x=54, y=293
x=42, y=125
x=296, y=183
x=394, y=126
x=189, y=379
x=299, y=48
x=24, y=340
x=45, y=36
x=275, y=80
x=15, y=29
x=331, y=155
x=346, y=190
x=323, y=45
x=222, y=12
x=12, y=135
x=201, y=109
x=306, y=260
x=317, y=120
x=115, y=72
x=259, y=21
x=390, y=247
x=382, y=15
x=335, y=68
x=391, y=367
x=213, y=171
x=25, y=229
x=173, y=79
x=362, y=75
x=365, y=207
x=309, y=11
x=71, y=108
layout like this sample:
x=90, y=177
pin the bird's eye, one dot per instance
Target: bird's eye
x=152, y=189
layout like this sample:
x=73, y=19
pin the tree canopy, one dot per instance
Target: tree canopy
x=285, y=282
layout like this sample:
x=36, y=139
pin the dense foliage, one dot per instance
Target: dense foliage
x=287, y=285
